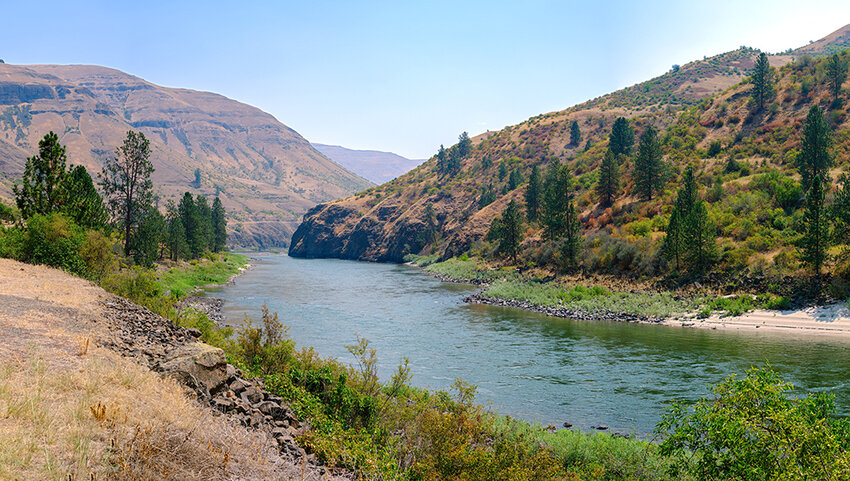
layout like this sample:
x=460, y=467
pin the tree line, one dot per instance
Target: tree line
x=128, y=207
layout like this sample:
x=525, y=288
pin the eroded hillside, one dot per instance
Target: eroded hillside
x=265, y=172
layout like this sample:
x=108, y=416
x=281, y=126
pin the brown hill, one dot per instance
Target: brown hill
x=267, y=174
x=373, y=165
x=387, y=222
x=834, y=42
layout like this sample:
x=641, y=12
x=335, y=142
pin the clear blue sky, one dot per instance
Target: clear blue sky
x=403, y=76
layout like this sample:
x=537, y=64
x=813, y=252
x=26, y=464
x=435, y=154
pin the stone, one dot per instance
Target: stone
x=270, y=408
x=196, y=333
x=202, y=363
x=251, y=395
x=238, y=385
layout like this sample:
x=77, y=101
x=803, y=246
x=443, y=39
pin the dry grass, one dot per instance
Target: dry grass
x=72, y=411
x=112, y=419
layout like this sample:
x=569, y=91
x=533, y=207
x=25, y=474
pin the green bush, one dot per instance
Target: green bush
x=55, y=240
x=97, y=252
x=752, y=429
x=13, y=241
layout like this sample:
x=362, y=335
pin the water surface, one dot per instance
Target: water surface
x=525, y=364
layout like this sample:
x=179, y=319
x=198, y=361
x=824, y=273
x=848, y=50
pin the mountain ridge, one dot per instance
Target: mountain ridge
x=266, y=173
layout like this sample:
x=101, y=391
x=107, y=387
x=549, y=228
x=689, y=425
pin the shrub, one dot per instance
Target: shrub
x=97, y=252
x=752, y=429
x=13, y=241
x=55, y=240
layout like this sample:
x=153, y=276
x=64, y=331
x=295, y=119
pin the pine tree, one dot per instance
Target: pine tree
x=488, y=196
x=41, y=189
x=575, y=133
x=571, y=244
x=191, y=224
x=532, y=194
x=146, y=239
x=503, y=170
x=442, y=160
x=815, y=241
x=700, y=238
x=608, y=184
x=219, y=225
x=514, y=180
x=815, y=159
x=178, y=246
x=84, y=204
x=127, y=185
x=205, y=230
x=673, y=245
x=508, y=231
x=556, y=199
x=197, y=181
x=622, y=137
x=464, y=145
x=836, y=74
x=648, y=167
x=762, y=79
x=431, y=235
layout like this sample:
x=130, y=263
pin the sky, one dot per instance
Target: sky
x=403, y=76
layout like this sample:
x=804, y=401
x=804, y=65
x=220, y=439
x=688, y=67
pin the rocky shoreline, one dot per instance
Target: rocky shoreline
x=564, y=312
x=174, y=351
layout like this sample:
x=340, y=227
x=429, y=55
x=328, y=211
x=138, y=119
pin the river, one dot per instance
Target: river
x=527, y=365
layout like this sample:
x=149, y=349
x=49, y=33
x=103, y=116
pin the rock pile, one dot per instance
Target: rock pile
x=176, y=352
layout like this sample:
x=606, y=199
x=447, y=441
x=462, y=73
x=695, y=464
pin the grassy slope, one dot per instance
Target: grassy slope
x=743, y=183
x=193, y=275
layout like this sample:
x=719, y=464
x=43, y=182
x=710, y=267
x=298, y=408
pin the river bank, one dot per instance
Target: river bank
x=744, y=312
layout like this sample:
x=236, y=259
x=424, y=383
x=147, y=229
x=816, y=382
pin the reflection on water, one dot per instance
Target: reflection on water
x=527, y=365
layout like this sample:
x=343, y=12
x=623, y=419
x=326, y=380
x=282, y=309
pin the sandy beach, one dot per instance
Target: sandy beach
x=831, y=320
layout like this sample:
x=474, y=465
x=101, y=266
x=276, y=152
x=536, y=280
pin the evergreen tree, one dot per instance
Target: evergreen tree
x=127, y=185
x=41, y=189
x=836, y=74
x=431, y=235
x=673, y=246
x=514, y=180
x=464, y=145
x=575, y=133
x=454, y=162
x=147, y=237
x=815, y=241
x=700, y=238
x=503, y=170
x=839, y=213
x=532, y=194
x=197, y=181
x=762, y=80
x=622, y=137
x=608, y=184
x=556, y=200
x=442, y=160
x=205, y=230
x=191, y=224
x=178, y=246
x=84, y=204
x=508, y=231
x=571, y=244
x=219, y=225
x=488, y=196
x=814, y=159
x=648, y=167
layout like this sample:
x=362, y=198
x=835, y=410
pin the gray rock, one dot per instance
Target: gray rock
x=204, y=364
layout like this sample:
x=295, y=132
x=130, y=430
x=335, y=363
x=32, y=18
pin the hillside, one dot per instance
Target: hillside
x=266, y=173
x=373, y=165
x=752, y=155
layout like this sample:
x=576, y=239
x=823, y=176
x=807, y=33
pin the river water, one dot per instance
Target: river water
x=528, y=365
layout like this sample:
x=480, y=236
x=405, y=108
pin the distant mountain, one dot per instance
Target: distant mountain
x=374, y=165
x=702, y=114
x=266, y=173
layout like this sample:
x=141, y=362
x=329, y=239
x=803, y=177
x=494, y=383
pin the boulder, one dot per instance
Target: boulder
x=201, y=366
